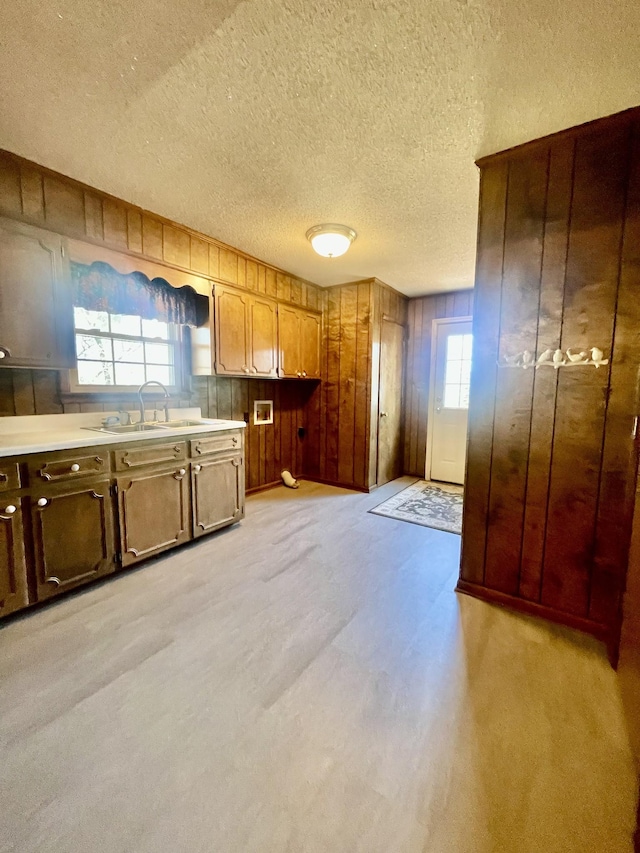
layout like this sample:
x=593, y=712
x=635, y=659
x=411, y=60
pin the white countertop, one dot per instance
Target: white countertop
x=41, y=433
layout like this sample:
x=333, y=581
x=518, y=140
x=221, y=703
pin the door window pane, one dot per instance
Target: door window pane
x=457, y=374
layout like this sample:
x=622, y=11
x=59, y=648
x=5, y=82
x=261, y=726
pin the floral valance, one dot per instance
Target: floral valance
x=101, y=288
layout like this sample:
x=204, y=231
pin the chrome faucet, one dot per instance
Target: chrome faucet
x=166, y=399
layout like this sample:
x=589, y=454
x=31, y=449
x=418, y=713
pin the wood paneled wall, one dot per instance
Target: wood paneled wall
x=551, y=463
x=345, y=405
x=269, y=448
x=422, y=313
x=41, y=197
x=36, y=195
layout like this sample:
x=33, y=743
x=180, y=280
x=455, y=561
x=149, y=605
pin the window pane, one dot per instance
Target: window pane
x=465, y=372
x=160, y=374
x=467, y=345
x=95, y=373
x=129, y=374
x=125, y=324
x=88, y=346
x=91, y=320
x=128, y=350
x=158, y=353
x=454, y=347
x=452, y=396
x=452, y=373
x=464, y=397
x=155, y=329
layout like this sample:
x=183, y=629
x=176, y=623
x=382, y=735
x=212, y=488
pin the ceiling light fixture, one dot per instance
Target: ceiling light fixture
x=331, y=241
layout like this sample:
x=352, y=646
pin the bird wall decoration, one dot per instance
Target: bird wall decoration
x=556, y=358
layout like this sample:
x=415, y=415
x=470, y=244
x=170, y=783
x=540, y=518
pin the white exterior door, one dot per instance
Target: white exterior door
x=451, y=374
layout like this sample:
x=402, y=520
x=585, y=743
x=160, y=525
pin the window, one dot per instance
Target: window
x=123, y=350
x=457, y=375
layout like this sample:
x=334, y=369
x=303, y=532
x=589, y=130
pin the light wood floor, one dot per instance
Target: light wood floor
x=307, y=681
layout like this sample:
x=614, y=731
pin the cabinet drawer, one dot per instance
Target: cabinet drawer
x=135, y=457
x=53, y=469
x=9, y=476
x=216, y=443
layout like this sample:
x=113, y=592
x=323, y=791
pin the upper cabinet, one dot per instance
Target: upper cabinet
x=256, y=336
x=246, y=333
x=36, y=314
x=299, y=338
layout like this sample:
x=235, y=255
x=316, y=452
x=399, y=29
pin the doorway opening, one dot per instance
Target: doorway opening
x=450, y=377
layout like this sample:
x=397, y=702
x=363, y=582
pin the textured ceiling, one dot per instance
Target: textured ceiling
x=252, y=121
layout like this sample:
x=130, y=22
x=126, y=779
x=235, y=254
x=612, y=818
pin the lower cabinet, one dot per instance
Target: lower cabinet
x=217, y=487
x=13, y=568
x=153, y=511
x=82, y=521
x=73, y=538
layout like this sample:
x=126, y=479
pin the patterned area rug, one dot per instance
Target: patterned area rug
x=430, y=504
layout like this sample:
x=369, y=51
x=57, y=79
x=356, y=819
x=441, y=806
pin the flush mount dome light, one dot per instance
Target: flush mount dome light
x=331, y=241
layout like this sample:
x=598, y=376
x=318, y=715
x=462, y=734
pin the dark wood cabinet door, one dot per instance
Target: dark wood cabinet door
x=289, y=342
x=263, y=337
x=36, y=315
x=218, y=493
x=310, y=344
x=13, y=568
x=153, y=509
x=73, y=536
x=231, y=326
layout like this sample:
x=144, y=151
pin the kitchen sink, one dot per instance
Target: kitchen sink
x=180, y=424
x=118, y=429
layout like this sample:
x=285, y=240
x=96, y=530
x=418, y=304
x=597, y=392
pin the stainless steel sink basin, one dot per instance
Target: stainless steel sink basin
x=180, y=424
x=118, y=429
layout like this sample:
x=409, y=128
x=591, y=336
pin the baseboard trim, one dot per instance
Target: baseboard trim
x=264, y=487
x=532, y=608
x=348, y=486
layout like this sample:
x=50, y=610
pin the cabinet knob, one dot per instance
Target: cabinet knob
x=234, y=440
x=383, y=414
x=42, y=501
x=197, y=468
x=304, y=372
x=9, y=510
x=298, y=374
x=254, y=369
x=75, y=467
x=53, y=580
x=182, y=472
x=4, y=352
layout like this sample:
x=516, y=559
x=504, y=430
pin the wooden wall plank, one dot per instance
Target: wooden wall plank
x=93, y=223
x=152, y=237
x=32, y=189
x=134, y=230
x=486, y=330
x=332, y=387
x=556, y=236
x=617, y=488
x=64, y=205
x=372, y=374
x=23, y=395
x=522, y=262
x=251, y=273
x=10, y=194
x=347, y=382
x=116, y=228
x=199, y=253
x=362, y=388
x=228, y=266
x=176, y=246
